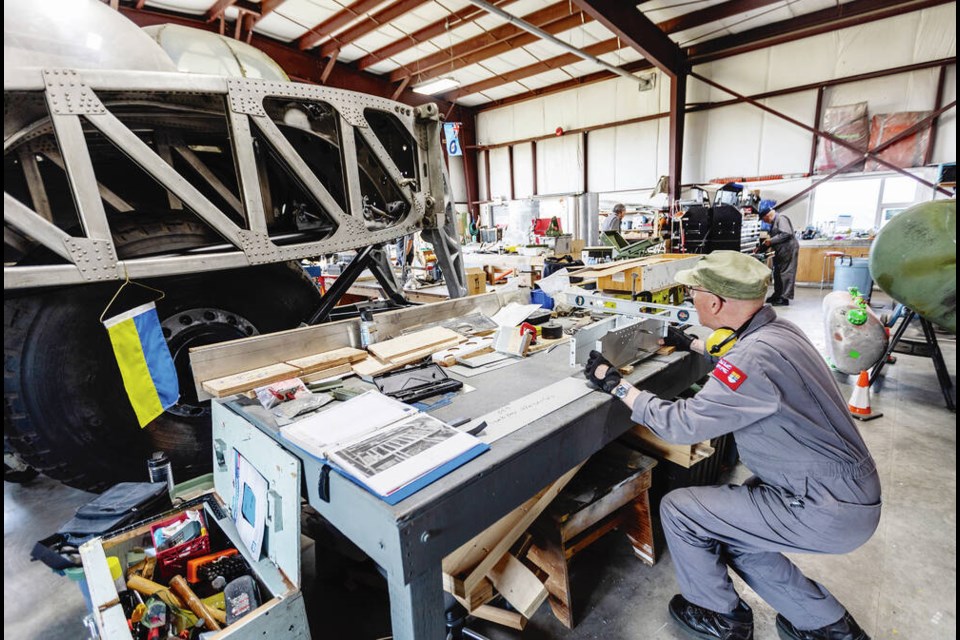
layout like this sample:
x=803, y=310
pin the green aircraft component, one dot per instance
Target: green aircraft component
x=914, y=260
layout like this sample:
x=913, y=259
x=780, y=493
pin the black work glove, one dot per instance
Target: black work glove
x=678, y=339
x=610, y=379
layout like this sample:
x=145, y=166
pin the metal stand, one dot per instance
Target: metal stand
x=943, y=376
x=373, y=258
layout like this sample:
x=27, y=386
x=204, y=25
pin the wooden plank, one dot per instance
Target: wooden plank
x=518, y=585
x=506, y=618
x=481, y=595
x=448, y=357
x=619, y=496
x=396, y=348
x=686, y=455
x=601, y=529
x=503, y=534
x=323, y=374
x=327, y=359
x=246, y=380
x=373, y=366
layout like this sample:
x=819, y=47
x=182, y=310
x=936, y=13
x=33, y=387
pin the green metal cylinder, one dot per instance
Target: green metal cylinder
x=914, y=260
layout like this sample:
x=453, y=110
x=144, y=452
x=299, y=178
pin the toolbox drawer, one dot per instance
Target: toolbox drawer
x=276, y=570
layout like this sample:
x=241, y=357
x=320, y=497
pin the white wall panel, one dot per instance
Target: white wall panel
x=937, y=33
x=482, y=175
x=559, y=165
x=630, y=102
x=598, y=105
x=803, y=62
x=877, y=45
x=562, y=111
x=500, y=173
x=458, y=183
x=945, y=146
x=496, y=125
x=528, y=119
x=636, y=155
x=602, y=159
x=695, y=138
x=732, y=144
x=785, y=147
x=913, y=91
x=523, y=170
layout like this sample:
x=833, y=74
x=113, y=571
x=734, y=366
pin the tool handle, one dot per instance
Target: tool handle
x=182, y=589
x=149, y=587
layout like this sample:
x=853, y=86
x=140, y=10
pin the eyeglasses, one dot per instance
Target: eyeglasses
x=690, y=291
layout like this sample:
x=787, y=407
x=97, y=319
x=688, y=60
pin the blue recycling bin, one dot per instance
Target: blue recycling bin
x=852, y=272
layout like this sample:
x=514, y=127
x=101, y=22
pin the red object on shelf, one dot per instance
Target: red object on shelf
x=540, y=226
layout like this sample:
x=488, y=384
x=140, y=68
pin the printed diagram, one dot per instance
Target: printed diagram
x=386, y=449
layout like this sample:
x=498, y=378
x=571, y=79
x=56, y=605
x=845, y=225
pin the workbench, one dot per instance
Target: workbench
x=409, y=540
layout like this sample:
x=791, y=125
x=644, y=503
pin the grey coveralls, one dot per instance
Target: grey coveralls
x=815, y=488
x=612, y=223
x=786, y=249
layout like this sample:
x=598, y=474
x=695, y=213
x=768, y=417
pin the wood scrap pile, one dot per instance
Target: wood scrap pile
x=394, y=353
x=485, y=565
x=313, y=367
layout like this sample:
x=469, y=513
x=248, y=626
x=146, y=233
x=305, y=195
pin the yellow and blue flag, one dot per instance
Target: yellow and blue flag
x=146, y=366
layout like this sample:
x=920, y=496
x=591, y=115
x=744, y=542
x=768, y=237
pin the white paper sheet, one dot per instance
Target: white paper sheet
x=250, y=505
x=514, y=313
x=344, y=422
x=534, y=406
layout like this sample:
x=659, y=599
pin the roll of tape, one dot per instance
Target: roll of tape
x=552, y=330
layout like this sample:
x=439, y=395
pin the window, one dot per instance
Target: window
x=859, y=204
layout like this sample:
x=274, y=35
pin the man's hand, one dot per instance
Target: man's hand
x=677, y=339
x=601, y=373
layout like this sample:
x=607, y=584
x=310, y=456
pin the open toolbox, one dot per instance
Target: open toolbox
x=201, y=545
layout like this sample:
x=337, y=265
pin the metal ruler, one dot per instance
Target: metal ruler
x=591, y=300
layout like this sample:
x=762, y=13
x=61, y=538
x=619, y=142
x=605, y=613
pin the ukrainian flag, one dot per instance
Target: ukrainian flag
x=145, y=362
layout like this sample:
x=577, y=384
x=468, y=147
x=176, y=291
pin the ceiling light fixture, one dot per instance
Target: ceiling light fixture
x=437, y=85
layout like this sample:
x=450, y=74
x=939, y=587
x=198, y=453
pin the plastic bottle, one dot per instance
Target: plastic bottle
x=368, y=329
x=160, y=470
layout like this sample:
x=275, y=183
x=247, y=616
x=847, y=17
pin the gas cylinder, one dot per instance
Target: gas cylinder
x=856, y=338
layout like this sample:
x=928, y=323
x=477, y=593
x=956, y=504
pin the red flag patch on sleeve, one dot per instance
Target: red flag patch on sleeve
x=729, y=374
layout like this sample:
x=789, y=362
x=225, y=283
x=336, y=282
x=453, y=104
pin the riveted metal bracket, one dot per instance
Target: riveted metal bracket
x=68, y=95
x=96, y=259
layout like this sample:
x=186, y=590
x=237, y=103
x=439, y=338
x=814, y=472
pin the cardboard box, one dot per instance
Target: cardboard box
x=476, y=281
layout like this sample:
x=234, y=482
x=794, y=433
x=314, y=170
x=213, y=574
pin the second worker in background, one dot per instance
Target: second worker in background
x=786, y=249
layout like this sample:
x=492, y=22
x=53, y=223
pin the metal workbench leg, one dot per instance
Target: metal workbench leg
x=416, y=608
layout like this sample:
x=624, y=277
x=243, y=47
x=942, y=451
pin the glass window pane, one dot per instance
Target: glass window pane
x=850, y=204
x=899, y=189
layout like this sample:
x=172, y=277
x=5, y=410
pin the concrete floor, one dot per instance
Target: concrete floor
x=901, y=584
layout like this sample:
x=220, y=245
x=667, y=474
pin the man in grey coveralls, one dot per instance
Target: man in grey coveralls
x=815, y=488
x=612, y=223
x=786, y=249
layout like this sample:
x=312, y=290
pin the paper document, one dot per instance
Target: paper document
x=514, y=313
x=249, y=505
x=392, y=457
x=384, y=445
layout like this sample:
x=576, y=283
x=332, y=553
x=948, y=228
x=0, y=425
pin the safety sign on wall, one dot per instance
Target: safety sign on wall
x=451, y=132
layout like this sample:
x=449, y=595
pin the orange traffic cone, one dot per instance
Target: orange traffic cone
x=859, y=404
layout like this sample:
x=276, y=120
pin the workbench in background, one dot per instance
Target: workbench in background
x=810, y=261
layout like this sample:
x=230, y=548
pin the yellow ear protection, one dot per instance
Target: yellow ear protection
x=721, y=341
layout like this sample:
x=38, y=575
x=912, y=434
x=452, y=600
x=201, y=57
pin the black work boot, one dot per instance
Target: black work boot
x=705, y=624
x=780, y=302
x=846, y=628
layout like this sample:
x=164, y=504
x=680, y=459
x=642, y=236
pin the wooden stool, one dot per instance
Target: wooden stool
x=609, y=492
x=828, y=258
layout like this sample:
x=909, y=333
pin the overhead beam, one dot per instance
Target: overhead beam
x=848, y=14
x=553, y=19
x=432, y=30
x=693, y=19
x=371, y=23
x=337, y=21
x=728, y=46
x=215, y=11
x=302, y=65
x=266, y=8
x=634, y=28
